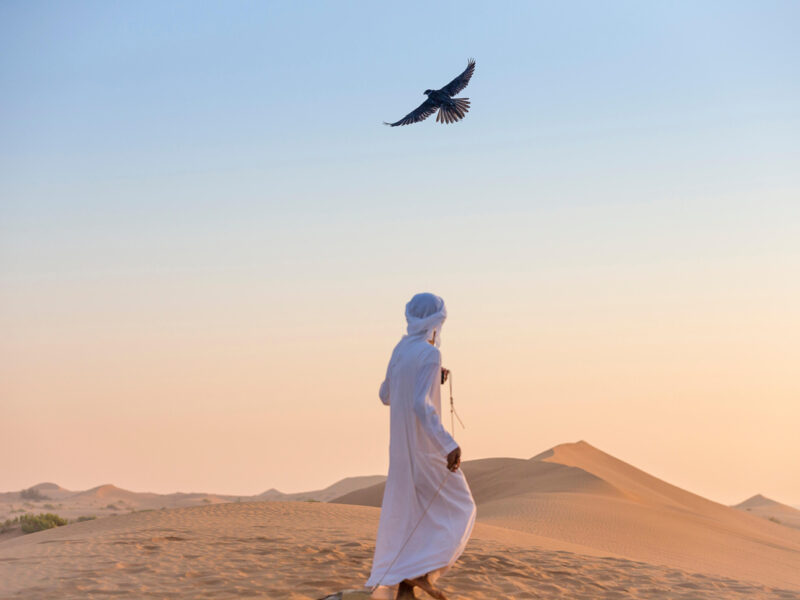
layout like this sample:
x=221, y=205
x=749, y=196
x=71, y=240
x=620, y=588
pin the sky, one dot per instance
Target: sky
x=207, y=237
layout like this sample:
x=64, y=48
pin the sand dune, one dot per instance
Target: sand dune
x=110, y=492
x=50, y=491
x=776, y=512
x=303, y=551
x=576, y=493
x=344, y=486
x=110, y=500
x=571, y=522
x=496, y=478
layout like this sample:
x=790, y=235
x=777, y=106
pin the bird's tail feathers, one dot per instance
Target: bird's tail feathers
x=451, y=114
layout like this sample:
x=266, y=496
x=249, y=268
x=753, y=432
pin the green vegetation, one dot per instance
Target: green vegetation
x=32, y=523
x=50, y=506
x=9, y=524
x=85, y=518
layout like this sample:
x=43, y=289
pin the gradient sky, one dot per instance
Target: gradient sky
x=207, y=237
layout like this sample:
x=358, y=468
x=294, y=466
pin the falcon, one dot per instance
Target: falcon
x=450, y=109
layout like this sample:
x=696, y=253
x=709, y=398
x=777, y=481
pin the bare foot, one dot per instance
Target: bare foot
x=405, y=591
x=427, y=587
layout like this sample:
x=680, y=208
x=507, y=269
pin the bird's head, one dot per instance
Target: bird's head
x=428, y=92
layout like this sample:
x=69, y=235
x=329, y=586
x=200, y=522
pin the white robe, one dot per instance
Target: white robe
x=418, y=448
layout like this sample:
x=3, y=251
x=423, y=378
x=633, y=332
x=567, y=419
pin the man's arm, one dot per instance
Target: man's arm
x=383, y=393
x=429, y=376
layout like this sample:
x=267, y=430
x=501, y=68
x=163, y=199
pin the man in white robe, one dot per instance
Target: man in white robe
x=428, y=511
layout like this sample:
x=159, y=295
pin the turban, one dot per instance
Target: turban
x=425, y=314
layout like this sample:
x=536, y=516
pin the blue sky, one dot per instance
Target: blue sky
x=154, y=119
x=193, y=166
x=250, y=92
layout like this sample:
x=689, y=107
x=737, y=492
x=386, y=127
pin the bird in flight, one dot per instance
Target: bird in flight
x=450, y=109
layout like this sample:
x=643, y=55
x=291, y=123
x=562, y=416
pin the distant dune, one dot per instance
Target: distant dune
x=110, y=500
x=578, y=494
x=110, y=492
x=776, y=512
x=49, y=491
x=344, y=486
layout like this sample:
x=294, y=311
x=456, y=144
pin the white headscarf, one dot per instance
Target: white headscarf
x=425, y=314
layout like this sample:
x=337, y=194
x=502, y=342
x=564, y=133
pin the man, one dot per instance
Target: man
x=428, y=511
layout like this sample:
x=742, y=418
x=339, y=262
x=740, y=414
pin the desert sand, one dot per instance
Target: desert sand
x=298, y=550
x=576, y=493
x=771, y=510
x=109, y=500
x=572, y=522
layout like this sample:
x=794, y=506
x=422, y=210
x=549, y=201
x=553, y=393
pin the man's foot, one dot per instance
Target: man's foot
x=426, y=586
x=405, y=591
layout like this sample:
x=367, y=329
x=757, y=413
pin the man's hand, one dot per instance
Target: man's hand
x=454, y=460
x=445, y=373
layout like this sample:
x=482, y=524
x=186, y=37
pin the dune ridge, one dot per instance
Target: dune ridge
x=578, y=494
x=771, y=510
x=109, y=500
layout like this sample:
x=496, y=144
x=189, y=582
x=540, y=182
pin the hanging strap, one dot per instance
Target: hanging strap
x=453, y=411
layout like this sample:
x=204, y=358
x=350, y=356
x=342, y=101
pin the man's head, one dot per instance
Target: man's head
x=425, y=314
x=424, y=305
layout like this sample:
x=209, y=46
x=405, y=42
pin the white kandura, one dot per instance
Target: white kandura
x=428, y=512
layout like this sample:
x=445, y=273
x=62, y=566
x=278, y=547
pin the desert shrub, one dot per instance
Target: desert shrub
x=50, y=506
x=9, y=524
x=85, y=518
x=32, y=523
x=112, y=507
x=33, y=494
x=774, y=520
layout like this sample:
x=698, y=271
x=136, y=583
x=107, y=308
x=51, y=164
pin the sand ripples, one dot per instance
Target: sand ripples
x=281, y=550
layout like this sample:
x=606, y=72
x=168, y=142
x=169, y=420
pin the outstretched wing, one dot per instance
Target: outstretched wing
x=460, y=82
x=422, y=112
